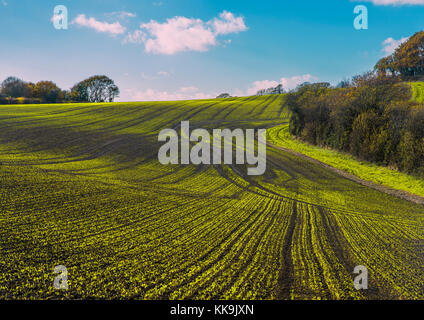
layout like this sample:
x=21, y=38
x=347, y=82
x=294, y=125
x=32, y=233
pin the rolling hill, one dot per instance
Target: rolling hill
x=81, y=186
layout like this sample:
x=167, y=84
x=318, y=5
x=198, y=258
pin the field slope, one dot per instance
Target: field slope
x=81, y=186
x=417, y=91
x=392, y=181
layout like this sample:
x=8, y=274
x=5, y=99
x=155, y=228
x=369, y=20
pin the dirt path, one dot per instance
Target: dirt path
x=393, y=192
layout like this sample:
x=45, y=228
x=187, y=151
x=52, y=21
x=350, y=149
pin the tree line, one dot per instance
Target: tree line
x=371, y=116
x=273, y=90
x=97, y=88
x=407, y=61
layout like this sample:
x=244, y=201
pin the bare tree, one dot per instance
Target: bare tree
x=15, y=87
x=95, y=89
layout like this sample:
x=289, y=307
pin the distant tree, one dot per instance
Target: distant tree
x=343, y=84
x=95, y=89
x=385, y=66
x=15, y=87
x=79, y=92
x=273, y=90
x=407, y=60
x=30, y=89
x=223, y=96
x=66, y=95
x=278, y=89
x=48, y=92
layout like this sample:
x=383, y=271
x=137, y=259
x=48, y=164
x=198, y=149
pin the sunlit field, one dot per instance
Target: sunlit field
x=81, y=186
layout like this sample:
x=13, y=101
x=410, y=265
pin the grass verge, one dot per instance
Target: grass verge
x=281, y=137
x=417, y=91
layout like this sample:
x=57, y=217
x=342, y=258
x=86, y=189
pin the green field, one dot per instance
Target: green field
x=81, y=187
x=280, y=136
x=417, y=91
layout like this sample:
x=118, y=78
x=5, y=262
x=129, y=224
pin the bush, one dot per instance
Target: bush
x=372, y=119
x=20, y=100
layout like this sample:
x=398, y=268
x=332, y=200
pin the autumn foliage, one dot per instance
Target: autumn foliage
x=374, y=119
x=407, y=61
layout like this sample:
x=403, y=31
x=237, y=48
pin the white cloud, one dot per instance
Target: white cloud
x=111, y=28
x=394, y=2
x=4, y=3
x=288, y=83
x=179, y=34
x=163, y=73
x=390, y=45
x=228, y=23
x=238, y=93
x=136, y=37
x=158, y=75
x=259, y=85
x=120, y=15
x=189, y=89
x=293, y=82
x=192, y=92
x=187, y=93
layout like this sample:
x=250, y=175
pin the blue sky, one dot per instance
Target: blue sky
x=180, y=49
